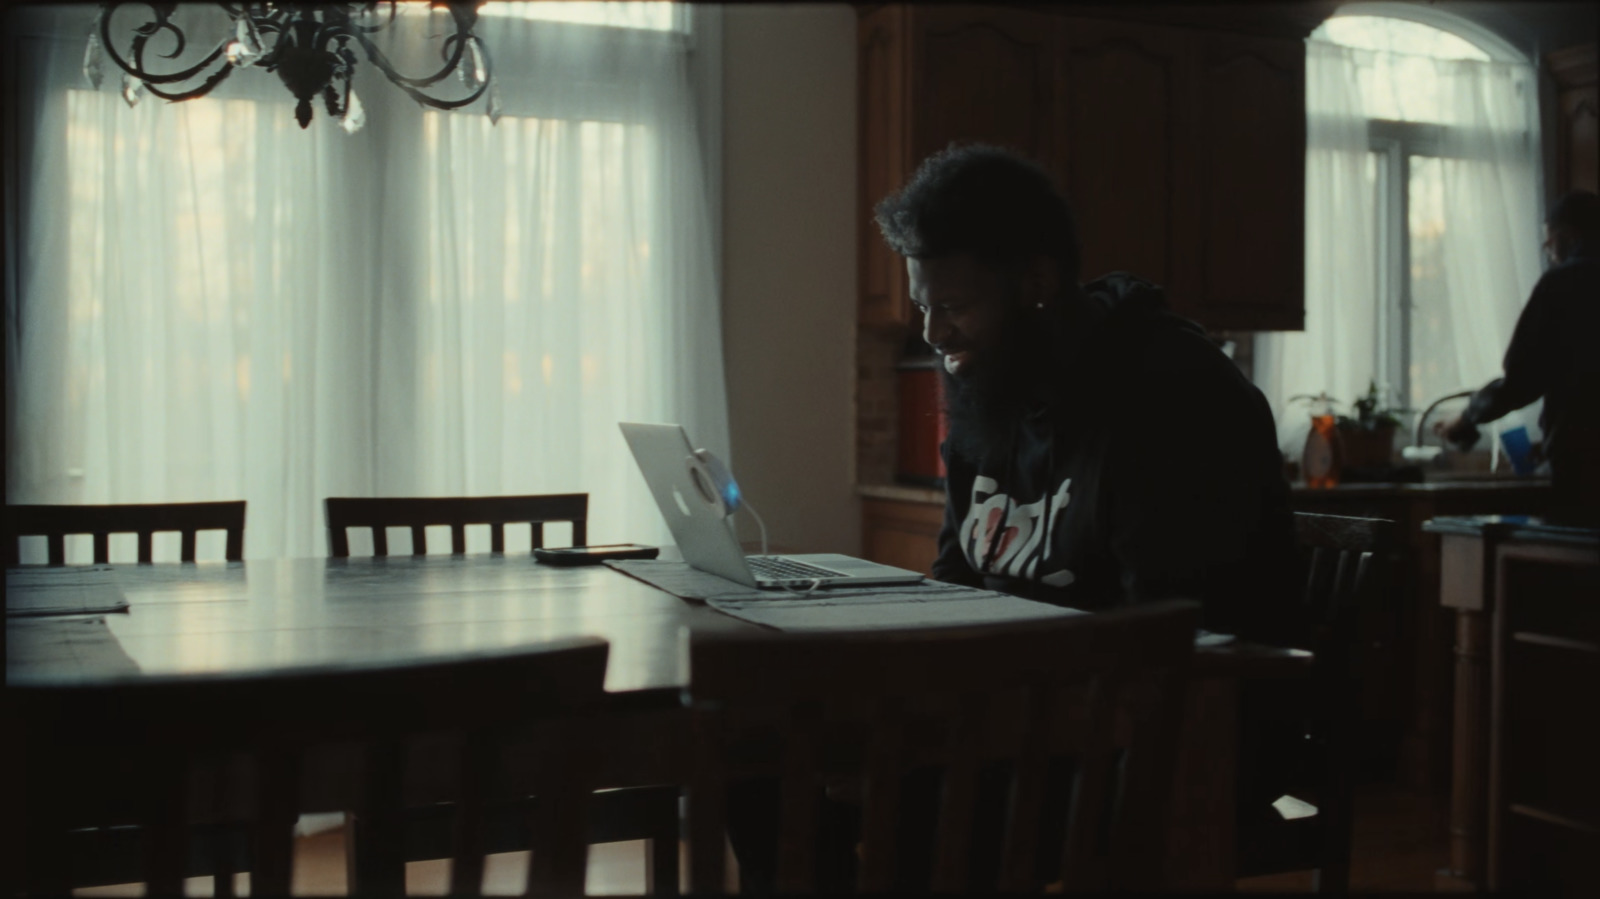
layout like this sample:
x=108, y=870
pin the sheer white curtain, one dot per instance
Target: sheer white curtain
x=211, y=303
x=1474, y=227
x=1490, y=179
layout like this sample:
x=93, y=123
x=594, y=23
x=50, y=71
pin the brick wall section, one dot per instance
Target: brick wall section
x=877, y=412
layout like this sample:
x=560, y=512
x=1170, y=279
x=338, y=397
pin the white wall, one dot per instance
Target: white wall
x=789, y=268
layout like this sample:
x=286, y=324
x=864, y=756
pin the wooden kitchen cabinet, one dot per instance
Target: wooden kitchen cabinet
x=901, y=533
x=931, y=76
x=1181, y=150
x=1577, y=113
x=1250, y=143
x=884, y=157
x=1122, y=118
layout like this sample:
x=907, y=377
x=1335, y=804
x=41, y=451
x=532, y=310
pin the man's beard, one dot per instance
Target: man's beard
x=985, y=404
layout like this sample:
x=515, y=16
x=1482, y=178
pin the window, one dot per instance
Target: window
x=1408, y=113
x=215, y=304
x=654, y=16
x=1422, y=212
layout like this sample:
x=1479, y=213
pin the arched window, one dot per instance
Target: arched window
x=1422, y=212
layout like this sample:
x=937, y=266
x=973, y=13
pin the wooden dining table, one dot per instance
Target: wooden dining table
x=217, y=619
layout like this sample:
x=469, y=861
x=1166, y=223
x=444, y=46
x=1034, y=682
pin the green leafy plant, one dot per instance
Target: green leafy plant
x=1370, y=412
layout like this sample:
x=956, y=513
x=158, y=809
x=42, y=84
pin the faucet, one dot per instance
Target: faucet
x=1416, y=441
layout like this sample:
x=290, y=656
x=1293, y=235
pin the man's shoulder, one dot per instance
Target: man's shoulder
x=1574, y=274
x=1171, y=349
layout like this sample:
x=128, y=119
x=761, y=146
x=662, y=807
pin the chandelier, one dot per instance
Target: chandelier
x=312, y=47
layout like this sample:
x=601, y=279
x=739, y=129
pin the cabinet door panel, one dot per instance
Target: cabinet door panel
x=881, y=132
x=1578, y=136
x=902, y=534
x=981, y=75
x=1251, y=107
x=1119, y=138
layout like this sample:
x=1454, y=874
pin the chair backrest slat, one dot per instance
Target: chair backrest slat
x=880, y=797
x=960, y=794
x=958, y=702
x=706, y=802
x=466, y=862
x=798, y=798
x=277, y=786
x=418, y=513
x=1083, y=870
x=55, y=523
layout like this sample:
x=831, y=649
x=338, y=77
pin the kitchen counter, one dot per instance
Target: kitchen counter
x=1425, y=488
x=1524, y=528
x=902, y=493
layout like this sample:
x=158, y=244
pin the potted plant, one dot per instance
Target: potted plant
x=1368, y=436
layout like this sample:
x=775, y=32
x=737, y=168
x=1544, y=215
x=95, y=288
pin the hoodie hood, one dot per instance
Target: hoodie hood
x=1122, y=297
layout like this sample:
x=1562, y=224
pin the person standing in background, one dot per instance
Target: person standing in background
x=1553, y=355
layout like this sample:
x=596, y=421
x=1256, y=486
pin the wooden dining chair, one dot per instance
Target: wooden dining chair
x=1347, y=561
x=173, y=754
x=857, y=712
x=54, y=523
x=623, y=815
x=418, y=513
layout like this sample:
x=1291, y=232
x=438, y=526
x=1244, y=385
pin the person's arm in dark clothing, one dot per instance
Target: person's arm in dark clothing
x=951, y=565
x=1197, y=507
x=1528, y=363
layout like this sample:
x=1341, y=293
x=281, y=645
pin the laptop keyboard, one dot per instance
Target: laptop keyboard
x=780, y=569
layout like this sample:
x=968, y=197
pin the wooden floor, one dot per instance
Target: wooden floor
x=1400, y=840
x=1399, y=843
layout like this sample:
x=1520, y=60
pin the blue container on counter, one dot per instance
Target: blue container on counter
x=1519, y=449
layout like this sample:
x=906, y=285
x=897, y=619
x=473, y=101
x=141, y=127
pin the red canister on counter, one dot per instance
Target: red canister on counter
x=923, y=425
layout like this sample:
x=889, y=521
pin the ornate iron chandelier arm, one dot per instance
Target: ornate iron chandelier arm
x=136, y=68
x=216, y=78
x=376, y=57
x=426, y=100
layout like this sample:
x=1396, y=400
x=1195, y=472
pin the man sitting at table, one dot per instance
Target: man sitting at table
x=1102, y=452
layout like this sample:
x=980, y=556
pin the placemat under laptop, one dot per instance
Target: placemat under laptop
x=72, y=590
x=929, y=604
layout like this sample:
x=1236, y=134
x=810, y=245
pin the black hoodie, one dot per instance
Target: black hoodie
x=1151, y=472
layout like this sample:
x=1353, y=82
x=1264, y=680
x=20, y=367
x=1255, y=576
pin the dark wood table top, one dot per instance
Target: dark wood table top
x=240, y=618
x=273, y=614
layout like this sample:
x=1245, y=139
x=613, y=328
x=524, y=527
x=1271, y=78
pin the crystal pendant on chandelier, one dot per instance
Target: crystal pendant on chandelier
x=474, y=69
x=132, y=90
x=354, y=116
x=92, y=57
x=492, y=108
x=248, y=39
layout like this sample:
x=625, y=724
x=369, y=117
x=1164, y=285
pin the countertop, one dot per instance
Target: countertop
x=1503, y=528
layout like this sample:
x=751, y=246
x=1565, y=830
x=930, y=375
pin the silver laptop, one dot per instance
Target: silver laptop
x=703, y=533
